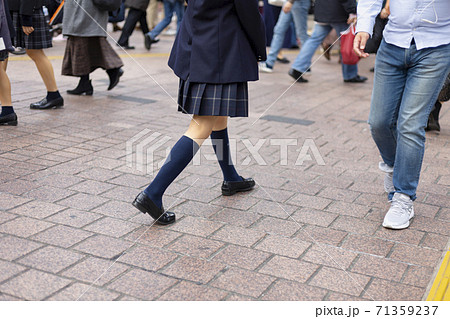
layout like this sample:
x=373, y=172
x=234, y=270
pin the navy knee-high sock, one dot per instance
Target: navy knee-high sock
x=179, y=157
x=221, y=146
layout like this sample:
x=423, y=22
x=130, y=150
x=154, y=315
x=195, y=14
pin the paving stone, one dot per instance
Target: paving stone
x=111, y=227
x=24, y=226
x=408, y=236
x=339, y=194
x=62, y=236
x=117, y=209
x=82, y=201
x=4, y=297
x=83, y=292
x=241, y=257
x=196, y=226
x=277, y=226
x=122, y=193
x=380, y=268
x=4, y=217
x=103, y=246
x=98, y=174
x=17, y=187
x=367, y=245
x=192, y=208
x=236, y=217
x=274, y=209
x=195, y=246
x=153, y=236
x=289, y=247
x=95, y=270
x=418, y=276
x=194, y=269
x=382, y=290
x=187, y=291
x=51, y=259
x=272, y=194
x=330, y=256
x=34, y=285
x=288, y=268
x=284, y=290
x=130, y=180
x=334, y=296
x=356, y=225
x=8, y=270
x=148, y=258
x=435, y=241
x=416, y=255
x=244, y=282
x=340, y=281
x=314, y=217
x=310, y=201
x=49, y=194
x=238, y=235
x=349, y=209
x=37, y=209
x=315, y=234
x=431, y=225
x=237, y=297
x=142, y=284
x=74, y=218
x=8, y=201
x=92, y=187
x=238, y=201
x=59, y=181
x=13, y=247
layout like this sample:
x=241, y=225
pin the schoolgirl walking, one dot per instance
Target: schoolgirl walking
x=215, y=54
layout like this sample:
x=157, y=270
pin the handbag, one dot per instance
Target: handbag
x=277, y=3
x=348, y=55
x=107, y=5
x=374, y=42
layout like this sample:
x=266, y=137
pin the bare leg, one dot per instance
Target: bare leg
x=201, y=127
x=5, y=86
x=45, y=69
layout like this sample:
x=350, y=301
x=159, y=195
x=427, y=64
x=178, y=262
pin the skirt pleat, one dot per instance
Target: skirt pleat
x=40, y=38
x=206, y=99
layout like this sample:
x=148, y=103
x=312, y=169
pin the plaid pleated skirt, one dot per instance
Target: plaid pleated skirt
x=230, y=99
x=83, y=55
x=40, y=38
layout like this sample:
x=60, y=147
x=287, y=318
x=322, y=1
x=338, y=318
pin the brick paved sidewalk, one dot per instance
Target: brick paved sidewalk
x=66, y=222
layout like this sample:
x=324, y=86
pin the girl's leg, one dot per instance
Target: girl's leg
x=221, y=144
x=180, y=156
x=45, y=69
x=7, y=115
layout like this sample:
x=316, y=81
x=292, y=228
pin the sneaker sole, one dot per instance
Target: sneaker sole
x=403, y=226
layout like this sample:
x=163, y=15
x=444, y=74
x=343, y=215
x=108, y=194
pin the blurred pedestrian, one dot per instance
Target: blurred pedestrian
x=411, y=65
x=212, y=87
x=87, y=48
x=137, y=12
x=328, y=14
x=296, y=10
x=7, y=115
x=170, y=7
x=152, y=14
x=31, y=31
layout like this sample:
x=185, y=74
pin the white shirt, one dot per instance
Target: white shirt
x=427, y=21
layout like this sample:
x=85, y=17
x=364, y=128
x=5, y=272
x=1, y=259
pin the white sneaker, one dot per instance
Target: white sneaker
x=388, y=182
x=263, y=67
x=400, y=213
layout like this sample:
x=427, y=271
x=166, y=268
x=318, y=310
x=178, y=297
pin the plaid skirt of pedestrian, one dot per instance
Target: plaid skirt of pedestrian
x=230, y=99
x=40, y=38
x=83, y=55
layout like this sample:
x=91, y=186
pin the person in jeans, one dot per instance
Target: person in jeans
x=328, y=14
x=411, y=66
x=170, y=7
x=296, y=10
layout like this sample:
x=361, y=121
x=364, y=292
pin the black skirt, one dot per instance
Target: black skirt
x=40, y=38
x=230, y=99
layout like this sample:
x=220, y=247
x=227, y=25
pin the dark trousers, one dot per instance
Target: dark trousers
x=134, y=15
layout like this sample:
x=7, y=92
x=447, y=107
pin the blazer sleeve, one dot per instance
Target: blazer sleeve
x=251, y=21
x=349, y=5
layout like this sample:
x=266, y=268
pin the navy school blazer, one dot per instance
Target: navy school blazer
x=219, y=41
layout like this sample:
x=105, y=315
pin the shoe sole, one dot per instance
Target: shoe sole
x=12, y=123
x=144, y=211
x=84, y=93
x=229, y=193
x=403, y=226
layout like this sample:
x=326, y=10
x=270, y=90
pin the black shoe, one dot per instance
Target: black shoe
x=148, y=41
x=433, y=118
x=372, y=69
x=9, y=120
x=297, y=75
x=44, y=104
x=114, y=77
x=82, y=88
x=357, y=79
x=147, y=206
x=231, y=188
x=283, y=60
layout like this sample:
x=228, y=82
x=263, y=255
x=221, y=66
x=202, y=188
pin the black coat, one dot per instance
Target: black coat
x=219, y=41
x=333, y=11
x=25, y=7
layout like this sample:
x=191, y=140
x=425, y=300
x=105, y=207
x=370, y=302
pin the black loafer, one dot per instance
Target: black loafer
x=356, y=79
x=231, y=188
x=297, y=75
x=9, y=120
x=44, y=104
x=147, y=206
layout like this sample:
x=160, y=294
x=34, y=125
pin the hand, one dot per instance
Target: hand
x=351, y=18
x=359, y=44
x=27, y=30
x=384, y=14
x=287, y=7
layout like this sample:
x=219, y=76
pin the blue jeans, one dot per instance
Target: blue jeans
x=303, y=60
x=169, y=9
x=406, y=85
x=299, y=13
